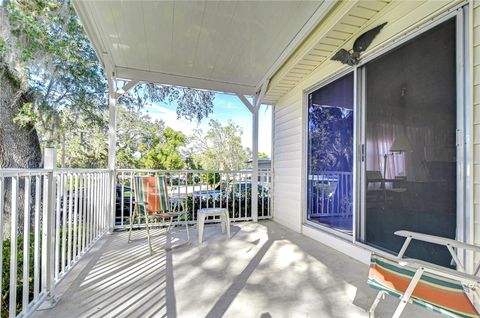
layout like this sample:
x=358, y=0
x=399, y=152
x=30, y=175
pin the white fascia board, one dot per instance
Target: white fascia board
x=184, y=81
x=304, y=32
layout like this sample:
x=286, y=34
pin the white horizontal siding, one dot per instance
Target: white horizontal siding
x=287, y=148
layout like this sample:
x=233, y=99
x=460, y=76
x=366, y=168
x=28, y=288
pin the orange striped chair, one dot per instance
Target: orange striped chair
x=452, y=293
x=152, y=203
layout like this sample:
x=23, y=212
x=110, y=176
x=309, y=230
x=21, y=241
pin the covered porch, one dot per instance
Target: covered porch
x=75, y=221
x=265, y=270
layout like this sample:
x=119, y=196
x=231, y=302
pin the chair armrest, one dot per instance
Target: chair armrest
x=437, y=240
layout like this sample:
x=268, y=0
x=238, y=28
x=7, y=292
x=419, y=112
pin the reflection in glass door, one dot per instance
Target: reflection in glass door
x=330, y=155
x=410, y=134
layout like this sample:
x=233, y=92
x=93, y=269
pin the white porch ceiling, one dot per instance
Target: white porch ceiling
x=230, y=46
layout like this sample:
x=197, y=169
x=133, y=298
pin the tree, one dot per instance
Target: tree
x=191, y=104
x=141, y=143
x=331, y=129
x=262, y=155
x=164, y=152
x=44, y=47
x=220, y=148
x=136, y=133
x=47, y=68
x=46, y=42
x=85, y=146
x=15, y=92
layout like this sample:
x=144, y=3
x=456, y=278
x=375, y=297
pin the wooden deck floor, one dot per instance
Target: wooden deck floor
x=265, y=270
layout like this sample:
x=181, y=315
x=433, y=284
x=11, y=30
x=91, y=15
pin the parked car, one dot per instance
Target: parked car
x=127, y=193
x=206, y=194
x=242, y=187
x=222, y=190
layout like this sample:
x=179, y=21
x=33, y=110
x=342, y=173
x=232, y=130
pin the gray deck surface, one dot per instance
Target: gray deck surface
x=265, y=270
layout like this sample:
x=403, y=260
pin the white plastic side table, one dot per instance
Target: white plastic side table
x=202, y=214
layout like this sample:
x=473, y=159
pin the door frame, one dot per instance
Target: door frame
x=465, y=232
x=464, y=124
x=330, y=79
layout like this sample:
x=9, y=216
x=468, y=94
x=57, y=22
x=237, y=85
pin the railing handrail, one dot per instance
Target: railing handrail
x=192, y=171
x=16, y=171
x=81, y=170
x=330, y=172
x=23, y=172
x=13, y=172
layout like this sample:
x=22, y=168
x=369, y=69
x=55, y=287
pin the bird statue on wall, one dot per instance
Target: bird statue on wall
x=360, y=45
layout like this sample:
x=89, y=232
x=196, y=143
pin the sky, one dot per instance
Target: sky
x=225, y=107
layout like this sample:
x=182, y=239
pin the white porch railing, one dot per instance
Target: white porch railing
x=56, y=216
x=330, y=194
x=199, y=189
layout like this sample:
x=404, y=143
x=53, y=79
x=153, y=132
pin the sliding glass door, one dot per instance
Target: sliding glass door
x=410, y=143
x=330, y=155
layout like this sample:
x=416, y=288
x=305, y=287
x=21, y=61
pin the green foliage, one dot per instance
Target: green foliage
x=191, y=103
x=330, y=136
x=262, y=155
x=136, y=132
x=6, y=273
x=238, y=204
x=164, y=152
x=219, y=148
x=85, y=145
x=62, y=68
x=46, y=42
x=5, y=293
x=27, y=116
x=211, y=178
x=141, y=143
x=4, y=49
x=192, y=164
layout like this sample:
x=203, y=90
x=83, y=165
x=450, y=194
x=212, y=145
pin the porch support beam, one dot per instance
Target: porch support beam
x=261, y=94
x=246, y=102
x=254, y=110
x=131, y=84
x=184, y=81
x=112, y=142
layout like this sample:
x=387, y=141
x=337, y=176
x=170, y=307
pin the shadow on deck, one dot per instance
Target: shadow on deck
x=265, y=270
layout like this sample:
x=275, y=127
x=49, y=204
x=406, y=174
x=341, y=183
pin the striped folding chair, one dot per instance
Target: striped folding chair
x=452, y=293
x=152, y=203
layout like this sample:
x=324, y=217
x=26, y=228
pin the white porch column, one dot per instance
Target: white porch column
x=112, y=142
x=254, y=110
x=48, y=228
x=255, y=164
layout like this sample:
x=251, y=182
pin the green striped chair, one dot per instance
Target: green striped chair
x=152, y=203
x=452, y=293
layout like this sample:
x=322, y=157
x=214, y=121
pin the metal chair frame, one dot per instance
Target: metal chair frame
x=171, y=216
x=472, y=281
